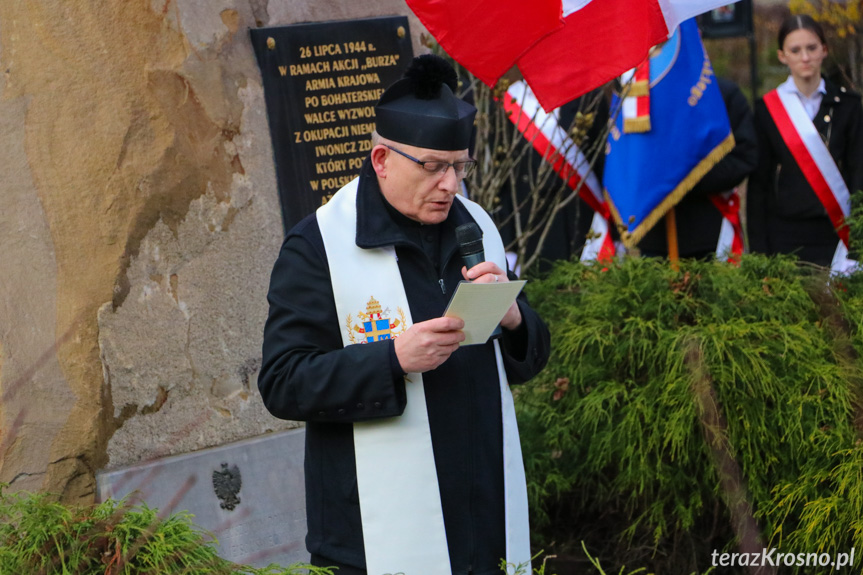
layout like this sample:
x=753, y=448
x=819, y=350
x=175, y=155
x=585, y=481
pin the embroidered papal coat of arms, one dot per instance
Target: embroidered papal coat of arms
x=375, y=324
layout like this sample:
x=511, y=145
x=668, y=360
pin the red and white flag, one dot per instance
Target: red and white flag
x=487, y=36
x=729, y=246
x=551, y=141
x=598, y=40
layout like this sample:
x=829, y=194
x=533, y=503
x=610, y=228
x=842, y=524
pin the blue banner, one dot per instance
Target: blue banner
x=647, y=173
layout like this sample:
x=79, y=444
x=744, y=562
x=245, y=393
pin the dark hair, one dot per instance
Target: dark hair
x=800, y=22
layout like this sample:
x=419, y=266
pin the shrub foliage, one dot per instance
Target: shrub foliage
x=717, y=407
x=40, y=536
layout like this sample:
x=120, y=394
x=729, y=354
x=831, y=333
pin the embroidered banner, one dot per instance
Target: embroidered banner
x=647, y=173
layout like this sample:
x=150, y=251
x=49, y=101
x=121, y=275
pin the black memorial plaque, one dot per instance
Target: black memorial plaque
x=321, y=83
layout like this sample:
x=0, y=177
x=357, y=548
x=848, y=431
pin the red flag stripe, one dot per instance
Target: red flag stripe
x=596, y=44
x=642, y=74
x=487, y=36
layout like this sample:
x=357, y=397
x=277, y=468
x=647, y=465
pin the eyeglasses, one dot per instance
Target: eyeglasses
x=462, y=169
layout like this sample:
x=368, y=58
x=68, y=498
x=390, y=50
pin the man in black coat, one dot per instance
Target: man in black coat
x=698, y=219
x=404, y=204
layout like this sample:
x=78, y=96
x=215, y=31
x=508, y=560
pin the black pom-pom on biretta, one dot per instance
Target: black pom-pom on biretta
x=428, y=73
x=422, y=110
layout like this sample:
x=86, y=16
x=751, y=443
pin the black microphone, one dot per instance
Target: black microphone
x=469, y=238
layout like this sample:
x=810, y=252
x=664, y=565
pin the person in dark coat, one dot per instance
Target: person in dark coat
x=405, y=204
x=784, y=213
x=698, y=219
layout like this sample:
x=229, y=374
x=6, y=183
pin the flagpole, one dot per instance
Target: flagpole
x=671, y=238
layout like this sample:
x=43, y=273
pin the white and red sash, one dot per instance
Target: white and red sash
x=729, y=247
x=551, y=141
x=818, y=167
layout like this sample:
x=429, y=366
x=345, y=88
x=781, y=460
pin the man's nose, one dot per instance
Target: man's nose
x=449, y=181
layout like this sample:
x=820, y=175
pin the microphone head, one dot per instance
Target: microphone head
x=469, y=238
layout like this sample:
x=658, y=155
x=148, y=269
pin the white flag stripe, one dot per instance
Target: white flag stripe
x=676, y=11
x=726, y=240
x=570, y=6
x=630, y=107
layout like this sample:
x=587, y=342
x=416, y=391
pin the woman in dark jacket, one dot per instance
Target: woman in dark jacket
x=790, y=207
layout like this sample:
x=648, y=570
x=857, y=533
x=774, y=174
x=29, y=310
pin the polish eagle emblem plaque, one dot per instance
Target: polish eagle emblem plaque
x=227, y=484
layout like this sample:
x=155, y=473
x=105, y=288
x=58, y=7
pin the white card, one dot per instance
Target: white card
x=482, y=306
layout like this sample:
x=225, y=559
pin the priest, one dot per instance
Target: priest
x=413, y=462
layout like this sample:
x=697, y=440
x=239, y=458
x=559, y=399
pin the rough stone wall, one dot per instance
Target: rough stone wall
x=139, y=221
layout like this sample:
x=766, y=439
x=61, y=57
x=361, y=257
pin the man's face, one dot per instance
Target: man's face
x=418, y=194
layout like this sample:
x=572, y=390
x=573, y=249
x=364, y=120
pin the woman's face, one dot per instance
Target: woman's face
x=803, y=53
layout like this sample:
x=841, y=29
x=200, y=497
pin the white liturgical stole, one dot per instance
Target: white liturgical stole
x=402, y=519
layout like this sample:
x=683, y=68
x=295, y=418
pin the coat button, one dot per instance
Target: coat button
x=377, y=405
x=835, y=98
x=842, y=89
x=827, y=119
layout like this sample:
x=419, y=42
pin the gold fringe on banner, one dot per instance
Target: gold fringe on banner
x=639, y=88
x=636, y=125
x=632, y=237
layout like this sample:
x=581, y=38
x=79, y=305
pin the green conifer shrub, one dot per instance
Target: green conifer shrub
x=41, y=536
x=717, y=407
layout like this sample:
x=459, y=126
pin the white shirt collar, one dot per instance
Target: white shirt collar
x=810, y=103
x=790, y=87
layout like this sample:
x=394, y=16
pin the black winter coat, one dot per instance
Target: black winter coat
x=307, y=375
x=783, y=213
x=698, y=220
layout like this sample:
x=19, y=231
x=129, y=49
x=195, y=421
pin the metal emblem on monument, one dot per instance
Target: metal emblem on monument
x=226, y=484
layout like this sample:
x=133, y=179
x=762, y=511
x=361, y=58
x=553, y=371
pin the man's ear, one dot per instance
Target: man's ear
x=378, y=157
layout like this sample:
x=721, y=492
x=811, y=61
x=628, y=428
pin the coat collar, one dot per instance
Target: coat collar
x=378, y=226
